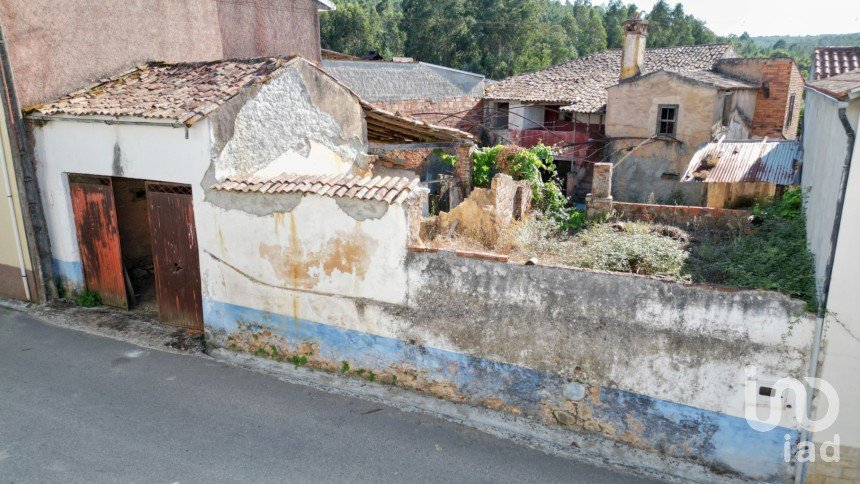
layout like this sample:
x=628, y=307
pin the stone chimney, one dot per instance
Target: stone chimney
x=633, y=48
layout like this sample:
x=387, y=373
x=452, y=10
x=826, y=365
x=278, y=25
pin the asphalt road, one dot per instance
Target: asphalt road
x=76, y=407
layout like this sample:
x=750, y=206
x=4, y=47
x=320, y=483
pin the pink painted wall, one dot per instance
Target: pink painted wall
x=56, y=46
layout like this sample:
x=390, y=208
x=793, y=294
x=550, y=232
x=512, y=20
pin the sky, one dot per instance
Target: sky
x=771, y=17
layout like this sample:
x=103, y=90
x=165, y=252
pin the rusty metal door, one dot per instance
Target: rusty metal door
x=98, y=238
x=174, y=254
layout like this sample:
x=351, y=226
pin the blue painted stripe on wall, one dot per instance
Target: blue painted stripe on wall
x=69, y=275
x=722, y=441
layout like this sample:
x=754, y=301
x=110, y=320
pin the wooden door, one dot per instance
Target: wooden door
x=98, y=238
x=174, y=254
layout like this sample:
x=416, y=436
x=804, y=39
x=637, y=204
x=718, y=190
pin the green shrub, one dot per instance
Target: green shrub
x=529, y=164
x=89, y=299
x=771, y=257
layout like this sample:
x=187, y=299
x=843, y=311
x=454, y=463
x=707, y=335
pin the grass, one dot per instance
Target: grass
x=772, y=256
x=89, y=299
x=635, y=247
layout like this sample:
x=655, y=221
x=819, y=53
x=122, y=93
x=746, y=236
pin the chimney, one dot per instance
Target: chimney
x=633, y=49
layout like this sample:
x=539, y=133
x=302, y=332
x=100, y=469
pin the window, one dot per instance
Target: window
x=499, y=116
x=667, y=119
x=727, y=108
x=789, y=117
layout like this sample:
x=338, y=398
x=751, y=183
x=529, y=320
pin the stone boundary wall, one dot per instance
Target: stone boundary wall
x=681, y=215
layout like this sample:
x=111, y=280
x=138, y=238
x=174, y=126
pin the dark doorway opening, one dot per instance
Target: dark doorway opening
x=132, y=215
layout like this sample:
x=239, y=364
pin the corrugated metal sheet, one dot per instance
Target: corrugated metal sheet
x=745, y=162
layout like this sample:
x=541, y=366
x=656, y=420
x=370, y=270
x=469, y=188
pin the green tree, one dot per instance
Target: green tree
x=660, y=25
x=348, y=29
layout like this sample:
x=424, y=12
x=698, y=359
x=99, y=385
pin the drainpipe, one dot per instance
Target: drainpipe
x=25, y=177
x=800, y=475
x=19, y=247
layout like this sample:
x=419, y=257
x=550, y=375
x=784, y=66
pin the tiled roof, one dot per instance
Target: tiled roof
x=832, y=61
x=392, y=81
x=183, y=92
x=717, y=79
x=838, y=86
x=581, y=84
x=745, y=161
x=386, y=189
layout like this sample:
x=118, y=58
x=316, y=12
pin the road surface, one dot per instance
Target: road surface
x=76, y=407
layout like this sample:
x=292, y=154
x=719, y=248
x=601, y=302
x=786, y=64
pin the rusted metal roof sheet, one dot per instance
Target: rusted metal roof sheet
x=745, y=162
x=389, y=189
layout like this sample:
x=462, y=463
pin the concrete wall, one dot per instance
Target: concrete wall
x=655, y=365
x=60, y=45
x=271, y=28
x=824, y=149
x=146, y=152
x=825, y=145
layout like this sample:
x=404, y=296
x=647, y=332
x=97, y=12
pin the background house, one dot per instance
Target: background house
x=832, y=61
x=566, y=104
x=656, y=121
x=428, y=92
x=831, y=182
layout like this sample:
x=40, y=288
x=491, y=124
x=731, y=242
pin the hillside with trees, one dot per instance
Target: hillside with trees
x=498, y=38
x=798, y=47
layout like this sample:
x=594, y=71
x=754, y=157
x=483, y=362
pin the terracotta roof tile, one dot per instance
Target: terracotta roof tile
x=838, y=86
x=580, y=85
x=388, y=189
x=183, y=92
x=832, y=61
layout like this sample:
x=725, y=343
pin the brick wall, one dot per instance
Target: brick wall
x=415, y=160
x=784, y=79
x=463, y=113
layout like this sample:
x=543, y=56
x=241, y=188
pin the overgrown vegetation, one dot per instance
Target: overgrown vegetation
x=536, y=166
x=770, y=253
x=89, y=299
x=772, y=256
x=635, y=247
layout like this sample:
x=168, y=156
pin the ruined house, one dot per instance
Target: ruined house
x=50, y=48
x=141, y=182
x=428, y=93
x=566, y=104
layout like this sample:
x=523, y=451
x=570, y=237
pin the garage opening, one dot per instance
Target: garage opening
x=139, y=246
x=136, y=242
